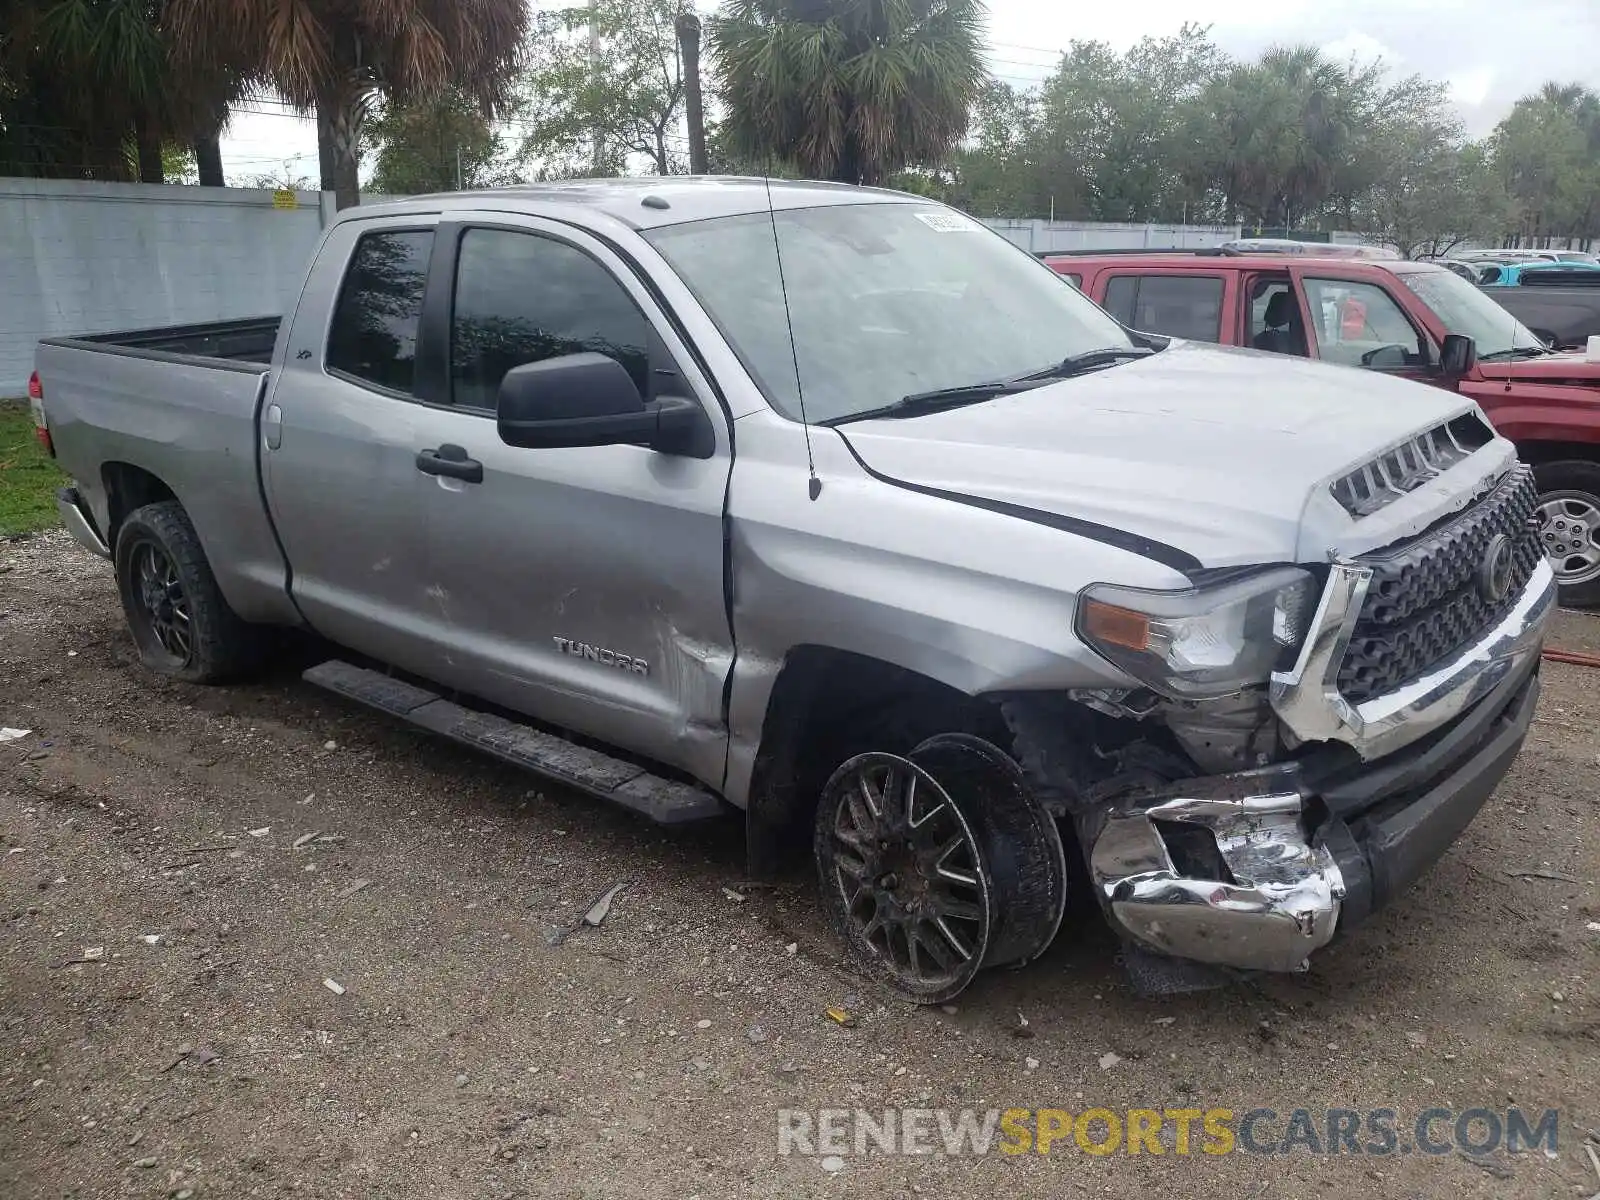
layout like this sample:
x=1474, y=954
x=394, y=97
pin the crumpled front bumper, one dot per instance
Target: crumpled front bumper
x=1279, y=902
x=1307, y=849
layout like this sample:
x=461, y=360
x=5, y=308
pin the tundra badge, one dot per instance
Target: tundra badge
x=600, y=654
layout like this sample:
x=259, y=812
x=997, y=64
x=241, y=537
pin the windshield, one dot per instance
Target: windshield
x=887, y=300
x=1464, y=309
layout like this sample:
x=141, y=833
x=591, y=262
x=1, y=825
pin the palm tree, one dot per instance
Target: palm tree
x=90, y=89
x=848, y=89
x=1285, y=127
x=335, y=56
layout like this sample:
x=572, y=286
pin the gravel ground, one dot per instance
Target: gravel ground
x=217, y=855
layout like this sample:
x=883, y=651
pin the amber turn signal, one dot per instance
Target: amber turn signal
x=1118, y=626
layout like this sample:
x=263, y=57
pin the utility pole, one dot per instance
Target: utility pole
x=594, y=78
x=688, y=27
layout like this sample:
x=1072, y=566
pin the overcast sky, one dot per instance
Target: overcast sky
x=1490, y=52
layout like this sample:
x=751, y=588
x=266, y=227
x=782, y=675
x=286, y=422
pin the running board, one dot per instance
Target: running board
x=664, y=801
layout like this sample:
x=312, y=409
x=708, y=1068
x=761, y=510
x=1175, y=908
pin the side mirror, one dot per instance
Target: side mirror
x=1458, y=355
x=591, y=400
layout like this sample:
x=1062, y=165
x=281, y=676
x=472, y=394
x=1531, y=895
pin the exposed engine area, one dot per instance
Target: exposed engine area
x=1235, y=733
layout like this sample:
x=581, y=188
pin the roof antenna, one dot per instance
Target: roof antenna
x=1511, y=358
x=815, y=484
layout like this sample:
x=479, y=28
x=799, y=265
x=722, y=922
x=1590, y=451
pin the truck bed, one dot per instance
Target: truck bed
x=247, y=341
x=1572, y=314
x=179, y=405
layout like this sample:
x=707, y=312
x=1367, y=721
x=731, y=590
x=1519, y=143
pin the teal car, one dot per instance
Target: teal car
x=1511, y=274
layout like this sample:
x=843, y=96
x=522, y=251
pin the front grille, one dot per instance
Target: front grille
x=1425, y=604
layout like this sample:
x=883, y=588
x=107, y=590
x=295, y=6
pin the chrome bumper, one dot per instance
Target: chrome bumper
x=69, y=505
x=1308, y=701
x=1282, y=904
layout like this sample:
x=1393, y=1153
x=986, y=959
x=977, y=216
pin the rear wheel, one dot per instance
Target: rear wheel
x=181, y=624
x=1569, y=528
x=936, y=865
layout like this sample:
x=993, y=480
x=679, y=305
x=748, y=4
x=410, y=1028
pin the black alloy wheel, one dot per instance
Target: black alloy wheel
x=904, y=877
x=161, y=615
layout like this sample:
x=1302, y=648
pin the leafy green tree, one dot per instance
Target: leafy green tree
x=438, y=144
x=285, y=178
x=590, y=108
x=178, y=164
x=1115, y=137
x=998, y=172
x=1546, y=154
x=850, y=90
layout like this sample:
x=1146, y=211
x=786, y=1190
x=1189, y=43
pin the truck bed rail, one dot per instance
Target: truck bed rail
x=248, y=342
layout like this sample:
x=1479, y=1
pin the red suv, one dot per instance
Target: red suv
x=1411, y=319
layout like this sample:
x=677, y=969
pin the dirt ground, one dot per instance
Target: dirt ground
x=202, y=849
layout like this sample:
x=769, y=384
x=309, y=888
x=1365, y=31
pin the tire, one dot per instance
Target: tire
x=181, y=625
x=1569, y=528
x=935, y=866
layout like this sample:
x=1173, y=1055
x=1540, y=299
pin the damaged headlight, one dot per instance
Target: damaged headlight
x=1205, y=642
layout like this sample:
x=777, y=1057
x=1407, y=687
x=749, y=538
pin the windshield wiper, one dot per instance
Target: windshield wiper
x=1516, y=352
x=1076, y=364
x=920, y=403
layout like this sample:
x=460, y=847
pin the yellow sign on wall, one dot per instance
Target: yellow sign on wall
x=285, y=198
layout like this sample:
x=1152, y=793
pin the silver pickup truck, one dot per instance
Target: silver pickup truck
x=831, y=507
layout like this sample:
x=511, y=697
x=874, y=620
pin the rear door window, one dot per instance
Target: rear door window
x=1184, y=306
x=373, y=338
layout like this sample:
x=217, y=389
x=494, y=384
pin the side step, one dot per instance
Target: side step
x=665, y=801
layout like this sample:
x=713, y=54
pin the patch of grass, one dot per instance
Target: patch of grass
x=28, y=479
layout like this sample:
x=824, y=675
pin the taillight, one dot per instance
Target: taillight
x=41, y=429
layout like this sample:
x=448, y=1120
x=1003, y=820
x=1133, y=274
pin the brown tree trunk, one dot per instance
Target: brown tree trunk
x=148, y=145
x=342, y=117
x=208, y=160
x=848, y=168
x=325, y=156
x=688, y=27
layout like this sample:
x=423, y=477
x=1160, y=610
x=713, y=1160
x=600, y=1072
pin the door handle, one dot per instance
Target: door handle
x=451, y=462
x=272, y=426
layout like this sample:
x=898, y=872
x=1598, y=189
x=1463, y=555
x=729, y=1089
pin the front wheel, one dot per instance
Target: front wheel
x=1569, y=528
x=181, y=624
x=936, y=865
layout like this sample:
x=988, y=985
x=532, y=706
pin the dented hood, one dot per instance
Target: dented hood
x=1215, y=452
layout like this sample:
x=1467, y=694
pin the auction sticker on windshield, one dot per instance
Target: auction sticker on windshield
x=947, y=222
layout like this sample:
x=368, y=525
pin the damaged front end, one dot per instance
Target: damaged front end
x=1245, y=830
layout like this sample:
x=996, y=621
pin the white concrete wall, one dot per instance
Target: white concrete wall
x=98, y=257
x=1056, y=237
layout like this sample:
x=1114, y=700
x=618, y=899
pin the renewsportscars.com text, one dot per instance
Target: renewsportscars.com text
x=1167, y=1131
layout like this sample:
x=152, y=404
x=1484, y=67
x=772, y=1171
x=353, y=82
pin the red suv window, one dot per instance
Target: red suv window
x=1185, y=306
